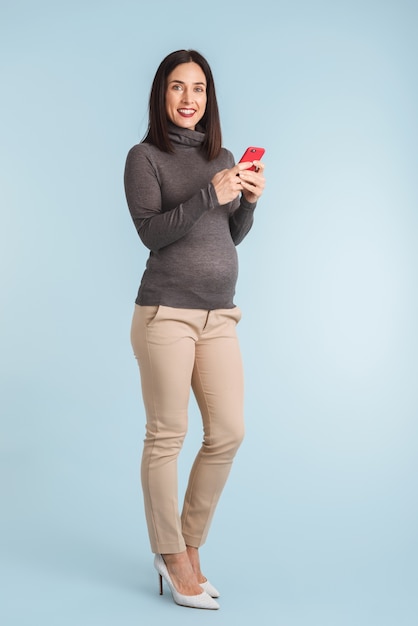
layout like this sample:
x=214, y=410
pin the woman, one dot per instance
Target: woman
x=191, y=206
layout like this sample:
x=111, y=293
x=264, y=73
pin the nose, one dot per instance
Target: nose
x=187, y=97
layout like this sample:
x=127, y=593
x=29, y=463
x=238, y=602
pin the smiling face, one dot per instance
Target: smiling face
x=185, y=97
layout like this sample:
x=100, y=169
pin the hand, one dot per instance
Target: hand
x=227, y=184
x=252, y=183
x=230, y=183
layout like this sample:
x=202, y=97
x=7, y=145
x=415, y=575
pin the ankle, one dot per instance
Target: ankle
x=193, y=554
x=176, y=558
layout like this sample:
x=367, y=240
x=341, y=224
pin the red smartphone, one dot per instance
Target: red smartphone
x=252, y=154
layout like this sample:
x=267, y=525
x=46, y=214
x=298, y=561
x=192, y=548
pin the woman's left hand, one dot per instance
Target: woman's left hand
x=253, y=182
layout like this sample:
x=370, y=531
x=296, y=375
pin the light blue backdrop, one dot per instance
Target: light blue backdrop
x=318, y=524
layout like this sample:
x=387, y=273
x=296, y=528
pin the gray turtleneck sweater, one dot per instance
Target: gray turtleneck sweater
x=193, y=262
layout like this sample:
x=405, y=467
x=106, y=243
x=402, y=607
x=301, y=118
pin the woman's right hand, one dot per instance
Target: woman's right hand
x=227, y=183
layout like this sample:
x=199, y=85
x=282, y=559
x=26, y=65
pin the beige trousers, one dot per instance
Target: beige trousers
x=179, y=350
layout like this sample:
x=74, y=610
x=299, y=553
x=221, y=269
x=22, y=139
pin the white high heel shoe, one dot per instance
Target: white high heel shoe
x=201, y=601
x=210, y=589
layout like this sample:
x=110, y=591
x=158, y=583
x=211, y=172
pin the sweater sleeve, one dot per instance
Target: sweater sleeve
x=242, y=212
x=241, y=220
x=157, y=227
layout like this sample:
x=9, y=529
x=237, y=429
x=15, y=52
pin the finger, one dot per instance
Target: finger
x=256, y=178
x=251, y=188
x=244, y=165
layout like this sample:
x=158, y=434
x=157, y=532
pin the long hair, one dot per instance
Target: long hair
x=157, y=133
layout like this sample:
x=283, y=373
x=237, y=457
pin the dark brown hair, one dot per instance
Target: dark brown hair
x=157, y=133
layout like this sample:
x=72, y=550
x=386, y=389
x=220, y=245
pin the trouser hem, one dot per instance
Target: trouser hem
x=193, y=542
x=168, y=548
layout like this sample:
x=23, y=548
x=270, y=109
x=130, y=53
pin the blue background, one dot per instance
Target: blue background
x=318, y=523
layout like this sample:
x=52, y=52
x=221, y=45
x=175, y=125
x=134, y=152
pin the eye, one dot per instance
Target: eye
x=177, y=87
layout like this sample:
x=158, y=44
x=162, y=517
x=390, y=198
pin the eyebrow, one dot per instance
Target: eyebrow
x=183, y=83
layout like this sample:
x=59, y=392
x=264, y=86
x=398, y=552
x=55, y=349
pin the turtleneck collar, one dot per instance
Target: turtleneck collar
x=184, y=137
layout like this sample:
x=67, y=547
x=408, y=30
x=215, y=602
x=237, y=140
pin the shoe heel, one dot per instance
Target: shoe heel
x=161, y=584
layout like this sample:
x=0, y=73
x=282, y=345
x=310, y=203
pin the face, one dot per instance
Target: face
x=185, y=97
